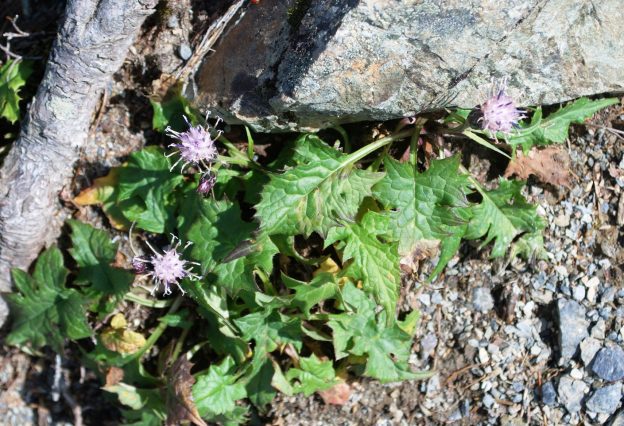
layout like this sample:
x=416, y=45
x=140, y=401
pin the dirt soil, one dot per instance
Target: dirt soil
x=490, y=330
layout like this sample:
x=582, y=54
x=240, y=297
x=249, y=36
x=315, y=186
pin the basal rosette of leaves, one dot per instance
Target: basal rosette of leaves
x=267, y=316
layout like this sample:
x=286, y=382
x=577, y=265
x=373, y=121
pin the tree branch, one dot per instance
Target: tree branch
x=91, y=45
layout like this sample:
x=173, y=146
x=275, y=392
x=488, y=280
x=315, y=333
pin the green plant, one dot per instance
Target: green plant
x=13, y=76
x=294, y=299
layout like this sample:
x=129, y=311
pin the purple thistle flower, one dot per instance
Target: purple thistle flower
x=169, y=268
x=139, y=265
x=499, y=112
x=206, y=183
x=196, y=146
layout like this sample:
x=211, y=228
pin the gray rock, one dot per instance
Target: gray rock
x=571, y=393
x=578, y=293
x=549, y=395
x=482, y=299
x=618, y=419
x=316, y=63
x=185, y=51
x=488, y=400
x=589, y=348
x=572, y=327
x=605, y=399
x=609, y=364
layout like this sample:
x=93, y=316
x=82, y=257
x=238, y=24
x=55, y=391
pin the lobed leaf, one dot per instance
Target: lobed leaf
x=44, y=311
x=217, y=230
x=323, y=190
x=428, y=206
x=362, y=333
x=13, y=76
x=145, y=189
x=373, y=257
x=555, y=127
x=93, y=251
x=217, y=390
x=313, y=375
x=502, y=215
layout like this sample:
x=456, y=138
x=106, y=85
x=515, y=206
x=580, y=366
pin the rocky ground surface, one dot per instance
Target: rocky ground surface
x=517, y=343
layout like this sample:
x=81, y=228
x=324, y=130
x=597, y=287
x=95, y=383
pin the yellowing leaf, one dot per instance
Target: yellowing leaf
x=328, y=265
x=101, y=190
x=118, y=338
x=119, y=322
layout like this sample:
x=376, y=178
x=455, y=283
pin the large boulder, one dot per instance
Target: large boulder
x=297, y=64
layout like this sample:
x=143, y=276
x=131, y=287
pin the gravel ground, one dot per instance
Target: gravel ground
x=522, y=342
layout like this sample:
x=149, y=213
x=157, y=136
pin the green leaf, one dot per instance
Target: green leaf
x=322, y=287
x=259, y=389
x=313, y=375
x=217, y=230
x=170, y=111
x=145, y=190
x=428, y=206
x=217, y=390
x=555, y=127
x=374, y=258
x=270, y=329
x=361, y=333
x=147, y=405
x=502, y=215
x=45, y=311
x=322, y=191
x=13, y=76
x=133, y=397
x=93, y=251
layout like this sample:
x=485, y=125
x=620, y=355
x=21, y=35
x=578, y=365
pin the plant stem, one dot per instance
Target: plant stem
x=473, y=181
x=268, y=286
x=241, y=161
x=414, y=140
x=345, y=138
x=250, y=144
x=133, y=297
x=365, y=150
x=159, y=330
x=179, y=344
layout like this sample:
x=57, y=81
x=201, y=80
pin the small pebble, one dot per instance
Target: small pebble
x=578, y=293
x=488, y=400
x=571, y=393
x=576, y=374
x=572, y=327
x=549, y=395
x=589, y=348
x=562, y=221
x=483, y=355
x=482, y=299
x=185, y=51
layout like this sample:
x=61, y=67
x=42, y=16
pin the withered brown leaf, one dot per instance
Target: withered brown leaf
x=550, y=165
x=180, y=404
x=336, y=395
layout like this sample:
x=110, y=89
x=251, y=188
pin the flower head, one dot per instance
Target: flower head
x=166, y=268
x=499, y=113
x=196, y=146
x=139, y=265
x=206, y=183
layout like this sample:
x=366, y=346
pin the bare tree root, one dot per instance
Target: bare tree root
x=91, y=45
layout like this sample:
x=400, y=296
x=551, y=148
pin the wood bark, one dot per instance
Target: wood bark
x=91, y=45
